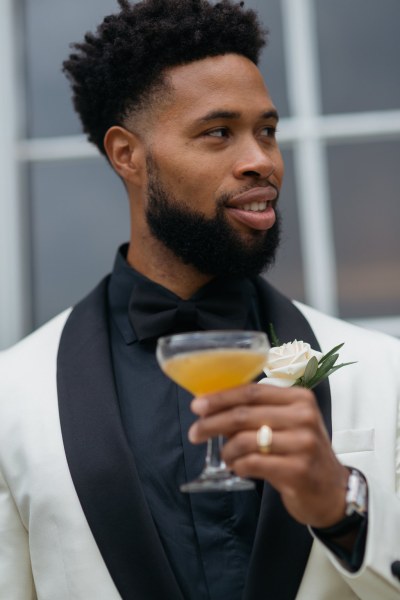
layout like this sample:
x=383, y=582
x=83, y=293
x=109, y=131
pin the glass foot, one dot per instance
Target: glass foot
x=217, y=481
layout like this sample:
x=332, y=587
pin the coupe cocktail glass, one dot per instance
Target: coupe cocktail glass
x=212, y=361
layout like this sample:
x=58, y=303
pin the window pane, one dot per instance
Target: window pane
x=359, y=47
x=366, y=218
x=51, y=25
x=272, y=63
x=287, y=274
x=79, y=217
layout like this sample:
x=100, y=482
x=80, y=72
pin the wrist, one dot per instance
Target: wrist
x=354, y=504
x=351, y=498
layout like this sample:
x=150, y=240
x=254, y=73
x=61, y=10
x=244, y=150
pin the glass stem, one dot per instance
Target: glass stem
x=213, y=458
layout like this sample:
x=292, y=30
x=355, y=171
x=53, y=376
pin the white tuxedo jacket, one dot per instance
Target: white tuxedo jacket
x=47, y=548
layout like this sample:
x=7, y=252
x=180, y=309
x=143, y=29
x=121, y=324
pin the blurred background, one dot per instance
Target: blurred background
x=332, y=67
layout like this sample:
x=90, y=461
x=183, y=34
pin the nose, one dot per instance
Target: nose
x=256, y=161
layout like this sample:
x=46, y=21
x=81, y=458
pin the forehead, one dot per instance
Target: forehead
x=229, y=82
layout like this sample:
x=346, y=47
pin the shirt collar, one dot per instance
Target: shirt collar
x=124, y=278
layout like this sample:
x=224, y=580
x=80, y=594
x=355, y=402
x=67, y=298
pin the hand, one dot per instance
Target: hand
x=300, y=465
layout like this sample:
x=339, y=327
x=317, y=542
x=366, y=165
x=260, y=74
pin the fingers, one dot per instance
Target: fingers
x=273, y=468
x=252, y=394
x=299, y=462
x=282, y=443
x=302, y=412
x=240, y=418
x=312, y=492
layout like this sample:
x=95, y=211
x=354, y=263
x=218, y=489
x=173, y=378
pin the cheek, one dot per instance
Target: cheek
x=176, y=170
x=191, y=176
x=192, y=183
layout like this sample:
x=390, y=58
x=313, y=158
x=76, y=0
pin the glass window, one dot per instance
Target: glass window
x=366, y=217
x=272, y=64
x=79, y=218
x=50, y=26
x=359, y=47
x=287, y=273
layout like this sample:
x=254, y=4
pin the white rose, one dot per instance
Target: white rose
x=286, y=363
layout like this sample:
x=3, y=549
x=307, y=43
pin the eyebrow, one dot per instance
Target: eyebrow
x=228, y=114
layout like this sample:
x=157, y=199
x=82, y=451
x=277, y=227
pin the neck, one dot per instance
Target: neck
x=160, y=265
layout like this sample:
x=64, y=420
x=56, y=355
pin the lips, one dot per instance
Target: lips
x=257, y=194
x=254, y=208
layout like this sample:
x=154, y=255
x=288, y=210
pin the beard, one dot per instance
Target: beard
x=211, y=245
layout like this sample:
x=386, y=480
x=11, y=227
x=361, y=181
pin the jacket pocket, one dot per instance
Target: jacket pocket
x=353, y=440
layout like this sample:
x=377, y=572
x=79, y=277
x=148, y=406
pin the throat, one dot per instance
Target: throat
x=163, y=267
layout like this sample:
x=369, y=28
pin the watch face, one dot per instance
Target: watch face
x=357, y=494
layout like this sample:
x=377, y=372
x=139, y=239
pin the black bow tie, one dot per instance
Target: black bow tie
x=155, y=311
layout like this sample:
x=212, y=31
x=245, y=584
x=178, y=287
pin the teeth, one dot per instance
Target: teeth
x=256, y=206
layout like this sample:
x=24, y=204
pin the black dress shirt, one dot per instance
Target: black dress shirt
x=207, y=537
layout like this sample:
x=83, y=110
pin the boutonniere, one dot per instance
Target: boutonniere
x=296, y=363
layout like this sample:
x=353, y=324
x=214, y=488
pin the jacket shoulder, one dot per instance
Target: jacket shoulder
x=25, y=357
x=359, y=342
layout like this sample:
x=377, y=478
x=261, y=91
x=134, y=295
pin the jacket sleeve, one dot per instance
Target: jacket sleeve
x=366, y=435
x=375, y=579
x=16, y=582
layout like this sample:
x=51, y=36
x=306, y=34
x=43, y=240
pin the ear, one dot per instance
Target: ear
x=126, y=154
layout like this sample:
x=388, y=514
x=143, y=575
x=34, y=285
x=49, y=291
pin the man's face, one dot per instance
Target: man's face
x=214, y=169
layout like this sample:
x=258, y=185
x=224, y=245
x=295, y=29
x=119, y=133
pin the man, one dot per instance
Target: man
x=94, y=438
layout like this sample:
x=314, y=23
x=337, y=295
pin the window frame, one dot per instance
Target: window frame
x=306, y=131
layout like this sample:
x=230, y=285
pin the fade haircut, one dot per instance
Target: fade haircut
x=118, y=70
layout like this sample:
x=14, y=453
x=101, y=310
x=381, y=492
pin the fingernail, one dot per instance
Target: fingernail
x=199, y=406
x=192, y=435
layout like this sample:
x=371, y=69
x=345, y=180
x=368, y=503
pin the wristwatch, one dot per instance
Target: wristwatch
x=357, y=494
x=356, y=511
x=355, y=523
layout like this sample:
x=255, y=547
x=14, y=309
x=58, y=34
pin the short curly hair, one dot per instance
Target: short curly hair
x=116, y=70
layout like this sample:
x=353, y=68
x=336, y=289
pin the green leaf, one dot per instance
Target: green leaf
x=310, y=370
x=320, y=376
x=328, y=364
x=273, y=337
x=340, y=366
x=328, y=354
x=316, y=371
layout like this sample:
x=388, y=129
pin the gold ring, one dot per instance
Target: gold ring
x=264, y=439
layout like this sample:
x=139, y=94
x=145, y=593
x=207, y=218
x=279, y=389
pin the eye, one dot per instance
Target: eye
x=269, y=132
x=218, y=132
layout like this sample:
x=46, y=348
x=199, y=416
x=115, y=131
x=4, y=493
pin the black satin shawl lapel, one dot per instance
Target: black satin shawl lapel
x=290, y=324
x=100, y=460
x=282, y=546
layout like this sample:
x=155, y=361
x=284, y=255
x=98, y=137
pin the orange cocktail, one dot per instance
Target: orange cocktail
x=204, y=362
x=207, y=371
